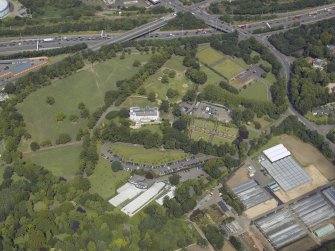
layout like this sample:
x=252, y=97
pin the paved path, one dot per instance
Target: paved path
x=52, y=147
x=97, y=124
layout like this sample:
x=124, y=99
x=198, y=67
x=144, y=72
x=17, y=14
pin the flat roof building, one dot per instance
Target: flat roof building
x=143, y=115
x=325, y=230
x=139, y=202
x=283, y=168
x=276, y=153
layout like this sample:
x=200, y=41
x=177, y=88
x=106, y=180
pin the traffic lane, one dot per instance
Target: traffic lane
x=291, y=20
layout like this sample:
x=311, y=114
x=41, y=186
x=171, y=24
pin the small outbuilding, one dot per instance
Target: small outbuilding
x=325, y=230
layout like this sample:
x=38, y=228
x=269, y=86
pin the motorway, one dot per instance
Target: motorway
x=149, y=32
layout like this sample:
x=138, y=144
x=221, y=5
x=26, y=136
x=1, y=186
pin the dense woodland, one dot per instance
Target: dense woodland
x=307, y=87
x=308, y=40
x=186, y=21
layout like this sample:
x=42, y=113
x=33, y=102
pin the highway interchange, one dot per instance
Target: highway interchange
x=151, y=31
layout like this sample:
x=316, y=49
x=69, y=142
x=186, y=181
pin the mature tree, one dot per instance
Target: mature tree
x=152, y=96
x=117, y=166
x=50, y=100
x=172, y=74
x=164, y=106
x=136, y=63
x=63, y=139
x=190, y=95
x=171, y=93
x=34, y=146
x=141, y=91
x=174, y=179
x=124, y=113
x=197, y=76
x=60, y=116
x=165, y=79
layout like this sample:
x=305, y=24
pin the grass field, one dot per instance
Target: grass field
x=87, y=86
x=63, y=161
x=201, y=123
x=179, y=82
x=208, y=55
x=212, y=77
x=228, y=68
x=141, y=155
x=257, y=90
x=199, y=135
x=140, y=101
x=104, y=181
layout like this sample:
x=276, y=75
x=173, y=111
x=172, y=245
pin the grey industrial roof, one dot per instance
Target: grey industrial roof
x=287, y=173
x=281, y=228
x=313, y=210
x=325, y=230
x=251, y=194
x=330, y=194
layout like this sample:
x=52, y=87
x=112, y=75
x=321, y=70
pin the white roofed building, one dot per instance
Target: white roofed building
x=143, y=115
x=276, y=153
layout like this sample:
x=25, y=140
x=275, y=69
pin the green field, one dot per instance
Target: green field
x=201, y=123
x=199, y=135
x=228, y=68
x=104, y=181
x=141, y=155
x=87, y=86
x=179, y=82
x=62, y=161
x=257, y=90
x=208, y=55
x=140, y=101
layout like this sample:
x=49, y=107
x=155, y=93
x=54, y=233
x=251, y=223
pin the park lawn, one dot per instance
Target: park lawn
x=61, y=161
x=179, y=82
x=87, y=86
x=140, y=101
x=104, y=181
x=201, y=123
x=139, y=154
x=208, y=55
x=195, y=135
x=228, y=68
x=256, y=91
